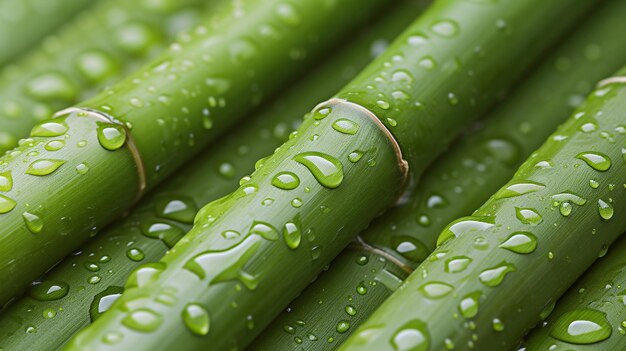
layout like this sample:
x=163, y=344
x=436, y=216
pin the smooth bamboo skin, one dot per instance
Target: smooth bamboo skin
x=216, y=172
x=591, y=314
x=270, y=240
x=168, y=111
x=284, y=270
x=98, y=47
x=493, y=273
x=456, y=184
x=24, y=24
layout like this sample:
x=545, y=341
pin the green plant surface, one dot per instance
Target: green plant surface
x=86, y=167
x=476, y=166
x=23, y=24
x=95, y=49
x=496, y=272
x=253, y=251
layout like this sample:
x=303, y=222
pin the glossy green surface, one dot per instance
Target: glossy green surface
x=254, y=250
x=452, y=64
x=591, y=314
x=496, y=271
x=98, y=47
x=457, y=183
x=169, y=110
x=256, y=275
x=97, y=271
x=24, y=23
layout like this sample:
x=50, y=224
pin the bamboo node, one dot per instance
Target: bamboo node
x=612, y=80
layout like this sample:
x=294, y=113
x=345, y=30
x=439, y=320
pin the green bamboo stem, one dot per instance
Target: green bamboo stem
x=95, y=276
x=131, y=136
x=23, y=24
x=494, y=272
x=95, y=49
x=456, y=184
x=591, y=314
x=251, y=252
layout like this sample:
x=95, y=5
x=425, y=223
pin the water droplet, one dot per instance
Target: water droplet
x=297, y=202
x=321, y=113
x=427, y=62
x=409, y=248
x=180, y=209
x=596, y=160
x=497, y=325
x=355, y=156
x=6, y=181
x=383, y=104
x=196, y=319
x=350, y=310
x=453, y=99
x=111, y=136
x=135, y=254
x=528, y=216
x=292, y=235
x=326, y=169
x=165, y=232
x=412, y=336
x=103, y=301
x=361, y=289
x=494, y=276
x=143, y=320
x=96, y=65
x=519, y=189
x=55, y=145
x=33, y=222
x=49, y=313
x=52, y=87
x=6, y=204
x=49, y=129
x=342, y=326
x=436, y=290
x=286, y=180
x=469, y=305
x=605, y=209
x=457, y=264
x=583, y=326
x=463, y=226
x=345, y=126
x=588, y=127
x=145, y=274
x=520, y=242
x=44, y=167
x=445, y=28
x=49, y=290
x=82, y=168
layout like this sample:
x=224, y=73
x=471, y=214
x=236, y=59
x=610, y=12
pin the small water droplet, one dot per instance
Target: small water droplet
x=33, y=222
x=469, y=305
x=342, y=326
x=457, y=264
x=49, y=290
x=495, y=275
x=528, y=216
x=463, y=226
x=436, y=290
x=103, y=301
x=346, y=126
x=445, y=28
x=135, y=254
x=143, y=320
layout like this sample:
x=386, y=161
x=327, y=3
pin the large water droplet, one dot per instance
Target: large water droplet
x=44, y=167
x=520, y=242
x=145, y=274
x=528, y=216
x=519, y=189
x=436, y=290
x=346, y=126
x=292, y=235
x=176, y=208
x=457, y=264
x=469, y=305
x=49, y=129
x=111, y=136
x=6, y=181
x=494, y=276
x=196, y=319
x=596, y=160
x=49, y=290
x=103, y=301
x=326, y=169
x=33, y=222
x=165, y=232
x=463, y=226
x=286, y=180
x=605, y=209
x=143, y=320
x=583, y=326
x=412, y=336
x=6, y=204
